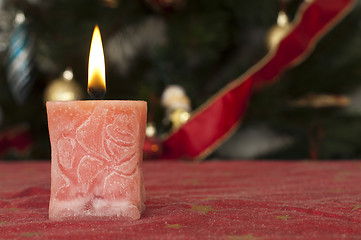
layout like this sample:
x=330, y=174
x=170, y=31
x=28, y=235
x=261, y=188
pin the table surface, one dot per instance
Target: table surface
x=208, y=200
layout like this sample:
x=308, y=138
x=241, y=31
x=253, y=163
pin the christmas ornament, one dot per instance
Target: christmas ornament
x=177, y=105
x=64, y=88
x=165, y=6
x=126, y=45
x=278, y=31
x=179, y=117
x=20, y=62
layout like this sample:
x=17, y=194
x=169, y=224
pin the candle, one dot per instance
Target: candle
x=96, y=152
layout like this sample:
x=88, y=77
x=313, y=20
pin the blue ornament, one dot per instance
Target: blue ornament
x=20, y=60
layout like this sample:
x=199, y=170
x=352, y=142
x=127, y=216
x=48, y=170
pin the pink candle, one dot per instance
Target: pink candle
x=96, y=156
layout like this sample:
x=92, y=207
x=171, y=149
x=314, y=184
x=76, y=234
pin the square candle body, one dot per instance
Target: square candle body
x=96, y=157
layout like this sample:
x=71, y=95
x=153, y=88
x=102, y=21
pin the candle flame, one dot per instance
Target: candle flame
x=96, y=69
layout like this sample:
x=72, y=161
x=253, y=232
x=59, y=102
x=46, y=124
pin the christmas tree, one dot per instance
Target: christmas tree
x=311, y=111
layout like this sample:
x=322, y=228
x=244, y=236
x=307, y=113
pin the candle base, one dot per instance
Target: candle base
x=85, y=209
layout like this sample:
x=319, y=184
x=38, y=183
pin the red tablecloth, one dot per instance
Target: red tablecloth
x=209, y=200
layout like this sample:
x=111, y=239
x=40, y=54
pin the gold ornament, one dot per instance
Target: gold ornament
x=64, y=88
x=278, y=31
x=175, y=97
x=177, y=105
x=179, y=117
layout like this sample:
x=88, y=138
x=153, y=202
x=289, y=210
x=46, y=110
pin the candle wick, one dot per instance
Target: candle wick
x=96, y=93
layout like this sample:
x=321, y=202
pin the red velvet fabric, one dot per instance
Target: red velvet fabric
x=208, y=200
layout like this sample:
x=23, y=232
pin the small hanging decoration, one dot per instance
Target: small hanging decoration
x=64, y=88
x=278, y=31
x=20, y=60
x=177, y=105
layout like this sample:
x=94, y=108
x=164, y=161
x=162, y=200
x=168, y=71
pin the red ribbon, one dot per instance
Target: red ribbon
x=220, y=116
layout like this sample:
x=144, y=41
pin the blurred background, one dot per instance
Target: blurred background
x=313, y=111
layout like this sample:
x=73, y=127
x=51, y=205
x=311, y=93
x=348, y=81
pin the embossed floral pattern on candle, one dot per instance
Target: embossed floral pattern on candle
x=96, y=157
